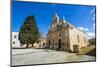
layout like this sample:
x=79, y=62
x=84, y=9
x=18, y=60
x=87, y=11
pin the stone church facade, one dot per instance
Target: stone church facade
x=64, y=36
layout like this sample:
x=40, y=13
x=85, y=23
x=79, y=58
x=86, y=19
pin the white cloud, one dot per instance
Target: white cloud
x=93, y=18
x=92, y=11
x=90, y=34
x=94, y=15
x=93, y=26
x=82, y=28
x=43, y=34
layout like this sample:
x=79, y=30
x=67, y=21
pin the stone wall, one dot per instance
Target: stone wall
x=69, y=37
x=77, y=38
x=64, y=36
x=54, y=37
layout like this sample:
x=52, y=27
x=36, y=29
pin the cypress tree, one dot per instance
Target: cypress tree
x=29, y=32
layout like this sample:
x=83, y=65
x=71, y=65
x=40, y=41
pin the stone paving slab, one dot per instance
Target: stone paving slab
x=42, y=56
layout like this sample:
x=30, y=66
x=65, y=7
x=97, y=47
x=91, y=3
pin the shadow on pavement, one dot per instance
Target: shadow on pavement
x=92, y=52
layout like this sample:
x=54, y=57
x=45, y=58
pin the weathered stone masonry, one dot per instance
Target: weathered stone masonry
x=64, y=36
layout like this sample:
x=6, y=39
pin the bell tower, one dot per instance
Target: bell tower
x=55, y=20
x=64, y=21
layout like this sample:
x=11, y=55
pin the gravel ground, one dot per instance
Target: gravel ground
x=42, y=56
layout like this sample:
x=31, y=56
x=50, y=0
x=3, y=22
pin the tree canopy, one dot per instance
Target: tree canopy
x=29, y=32
x=92, y=41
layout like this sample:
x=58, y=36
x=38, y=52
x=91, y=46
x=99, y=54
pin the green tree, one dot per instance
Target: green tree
x=92, y=41
x=29, y=32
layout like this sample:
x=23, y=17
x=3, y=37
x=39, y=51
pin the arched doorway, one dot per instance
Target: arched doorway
x=49, y=44
x=59, y=44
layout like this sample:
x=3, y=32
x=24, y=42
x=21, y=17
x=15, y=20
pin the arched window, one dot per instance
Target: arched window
x=13, y=42
x=78, y=38
x=15, y=36
x=49, y=42
x=84, y=40
x=59, y=34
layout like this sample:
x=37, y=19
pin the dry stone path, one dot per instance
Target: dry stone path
x=42, y=56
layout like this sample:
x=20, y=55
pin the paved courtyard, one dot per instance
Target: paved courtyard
x=42, y=56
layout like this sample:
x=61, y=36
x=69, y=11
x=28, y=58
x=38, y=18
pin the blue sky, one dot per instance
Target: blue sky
x=82, y=17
